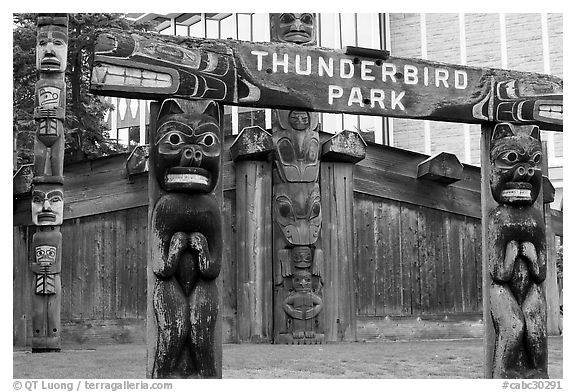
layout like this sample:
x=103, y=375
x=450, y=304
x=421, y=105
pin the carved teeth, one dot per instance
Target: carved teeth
x=113, y=75
x=516, y=193
x=181, y=178
x=551, y=111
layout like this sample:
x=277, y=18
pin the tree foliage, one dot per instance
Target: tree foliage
x=86, y=132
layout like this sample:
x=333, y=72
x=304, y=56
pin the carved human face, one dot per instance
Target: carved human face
x=515, y=157
x=187, y=152
x=295, y=28
x=45, y=255
x=302, y=281
x=302, y=256
x=51, y=48
x=297, y=211
x=47, y=204
x=299, y=120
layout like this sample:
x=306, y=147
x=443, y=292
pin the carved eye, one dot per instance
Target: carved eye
x=208, y=140
x=307, y=19
x=37, y=199
x=315, y=209
x=537, y=157
x=285, y=208
x=39, y=253
x=55, y=199
x=287, y=18
x=42, y=42
x=512, y=156
x=51, y=253
x=58, y=42
x=175, y=139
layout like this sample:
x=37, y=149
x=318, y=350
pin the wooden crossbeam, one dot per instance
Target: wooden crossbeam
x=289, y=76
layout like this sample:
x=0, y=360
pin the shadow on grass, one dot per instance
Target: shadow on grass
x=418, y=359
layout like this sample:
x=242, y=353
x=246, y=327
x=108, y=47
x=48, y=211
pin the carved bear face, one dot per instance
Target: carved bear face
x=298, y=211
x=515, y=157
x=187, y=148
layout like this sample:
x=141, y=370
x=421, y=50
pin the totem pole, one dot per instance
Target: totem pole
x=296, y=205
x=185, y=241
x=47, y=184
x=516, y=254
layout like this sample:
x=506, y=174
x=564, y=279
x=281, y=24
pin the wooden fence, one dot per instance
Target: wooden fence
x=417, y=267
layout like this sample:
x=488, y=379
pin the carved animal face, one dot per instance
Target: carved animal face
x=297, y=211
x=515, y=157
x=302, y=256
x=187, y=149
x=47, y=204
x=51, y=48
x=297, y=145
x=294, y=28
x=45, y=255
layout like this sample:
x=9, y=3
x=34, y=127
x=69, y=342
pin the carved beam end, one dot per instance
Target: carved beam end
x=252, y=143
x=444, y=168
x=346, y=146
x=137, y=162
x=22, y=179
x=549, y=192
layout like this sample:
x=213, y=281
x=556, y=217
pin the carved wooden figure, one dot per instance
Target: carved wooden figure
x=47, y=184
x=296, y=203
x=295, y=138
x=517, y=254
x=50, y=94
x=46, y=267
x=186, y=240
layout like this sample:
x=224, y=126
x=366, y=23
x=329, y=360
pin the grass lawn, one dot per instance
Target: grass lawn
x=417, y=359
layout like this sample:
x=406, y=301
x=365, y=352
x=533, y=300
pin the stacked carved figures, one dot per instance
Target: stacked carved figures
x=296, y=205
x=47, y=185
x=185, y=240
x=517, y=254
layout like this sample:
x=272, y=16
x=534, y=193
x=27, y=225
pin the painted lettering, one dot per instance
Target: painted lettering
x=259, y=54
x=389, y=70
x=365, y=71
x=397, y=100
x=346, y=74
x=377, y=95
x=441, y=75
x=308, y=69
x=460, y=79
x=334, y=92
x=410, y=74
x=355, y=97
x=276, y=62
x=325, y=68
x=426, y=72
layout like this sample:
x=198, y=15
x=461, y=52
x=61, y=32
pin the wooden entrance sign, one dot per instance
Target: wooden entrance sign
x=290, y=76
x=299, y=78
x=48, y=180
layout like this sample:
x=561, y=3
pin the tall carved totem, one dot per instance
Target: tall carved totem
x=48, y=181
x=185, y=241
x=517, y=254
x=297, y=212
